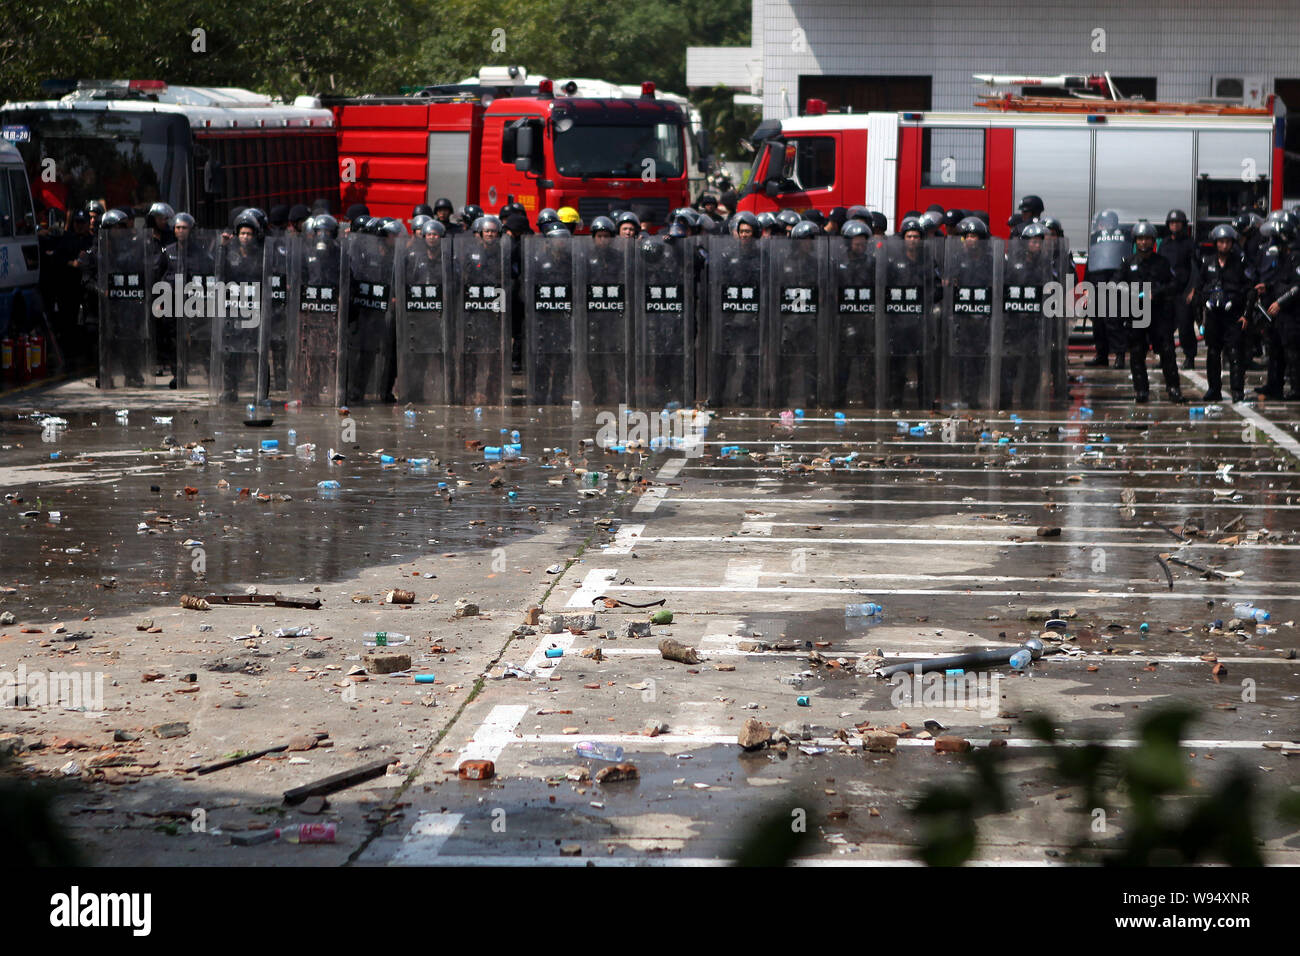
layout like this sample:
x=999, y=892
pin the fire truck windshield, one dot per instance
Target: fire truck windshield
x=620, y=151
x=129, y=160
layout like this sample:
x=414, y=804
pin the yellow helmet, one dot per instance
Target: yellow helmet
x=568, y=214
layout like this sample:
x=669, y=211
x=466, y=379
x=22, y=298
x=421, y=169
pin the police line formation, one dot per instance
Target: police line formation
x=777, y=310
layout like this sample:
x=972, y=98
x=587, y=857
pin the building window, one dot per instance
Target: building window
x=952, y=157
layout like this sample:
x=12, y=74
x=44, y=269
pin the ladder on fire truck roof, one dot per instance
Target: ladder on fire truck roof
x=1106, y=100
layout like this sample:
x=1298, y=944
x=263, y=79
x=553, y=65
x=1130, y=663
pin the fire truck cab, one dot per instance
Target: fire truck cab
x=1080, y=158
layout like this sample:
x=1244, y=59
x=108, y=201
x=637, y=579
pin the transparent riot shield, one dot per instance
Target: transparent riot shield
x=192, y=275
x=737, y=296
x=481, y=320
x=238, y=333
x=275, y=314
x=849, y=366
x=907, y=279
x=603, y=320
x=316, y=277
x=1026, y=352
x=798, y=321
x=127, y=273
x=664, y=319
x=971, y=270
x=370, y=344
x=423, y=335
x=549, y=306
x=1058, y=323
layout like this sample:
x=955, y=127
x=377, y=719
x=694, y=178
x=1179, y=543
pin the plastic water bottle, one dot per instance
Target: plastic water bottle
x=478, y=413
x=902, y=427
x=293, y=436
x=514, y=437
x=199, y=455
x=576, y=408
x=385, y=639
x=305, y=450
x=1085, y=411
x=418, y=462
x=592, y=750
x=1021, y=659
x=270, y=444
x=1248, y=612
x=1196, y=411
x=387, y=460
x=251, y=409
x=302, y=630
x=868, y=609
x=798, y=413
x=410, y=416
x=328, y=484
x=491, y=452
x=295, y=405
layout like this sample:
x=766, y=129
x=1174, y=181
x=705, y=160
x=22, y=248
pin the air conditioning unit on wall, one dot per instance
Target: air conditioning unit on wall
x=1246, y=90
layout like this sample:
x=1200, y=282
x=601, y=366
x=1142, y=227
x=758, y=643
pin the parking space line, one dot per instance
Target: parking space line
x=495, y=733
x=421, y=845
x=964, y=592
x=948, y=542
x=650, y=501
x=595, y=584
x=962, y=502
x=625, y=539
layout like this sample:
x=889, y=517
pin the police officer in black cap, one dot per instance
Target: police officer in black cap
x=1179, y=248
x=443, y=212
x=1151, y=284
x=1031, y=207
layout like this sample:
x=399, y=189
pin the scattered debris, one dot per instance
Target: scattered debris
x=674, y=650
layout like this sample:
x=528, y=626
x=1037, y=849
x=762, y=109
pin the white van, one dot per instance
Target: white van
x=19, y=255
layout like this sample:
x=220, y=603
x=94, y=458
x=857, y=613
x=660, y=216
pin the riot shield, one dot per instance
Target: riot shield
x=737, y=297
x=849, y=367
x=603, y=320
x=971, y=270
x=907, y=278
x=798, y=321
x=423, y=335
x=316, y=276
x=1058, y=326
x=369, y=330
x=238, y=333
x=549, y=305
x=127, y=273
x=191, y=276
x=664, y=318
x=1026, y=353
x=275, y=313
x=481, y=320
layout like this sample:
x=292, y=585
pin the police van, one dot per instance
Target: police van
x=19, y=258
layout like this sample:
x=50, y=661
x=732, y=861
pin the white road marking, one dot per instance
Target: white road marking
x=650, y=501
x=670, y=469
x=495, y=733
x=1031, y=541
x=625, y=539
x=428, y=834
x=967, y=592
x=962, y=503
x=742, y=572
x=538, y=658
x=679, y=740
x=596, y=583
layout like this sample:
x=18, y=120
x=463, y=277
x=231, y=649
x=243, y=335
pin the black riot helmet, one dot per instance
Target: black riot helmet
x=432, y=227
x=322, y=226
x=441, y=203
x=631, y=217
x=1052, y=225
x=162, y=210
x=879, y=223
x=855, y=227
x=1144, y=229
x=973, y=226
x=1031, y=206
x=250, y=219
x=471, y=214
x=1176, y=215
x=788, y=218
x=603, y=224
x=1033, y=230
x=115, y=219
x=1107, y=219
x=546, y=217
x=747, y=218
x=806, y=230
x=421, y=209
x=652, y=250
x=911, y=224
x=1223, y=231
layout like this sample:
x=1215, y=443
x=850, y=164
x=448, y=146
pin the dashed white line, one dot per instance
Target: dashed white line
x=596, y=583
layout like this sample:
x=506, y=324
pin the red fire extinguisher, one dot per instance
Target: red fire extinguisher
x=20, y=360
x=35, y=356
x=6, y=359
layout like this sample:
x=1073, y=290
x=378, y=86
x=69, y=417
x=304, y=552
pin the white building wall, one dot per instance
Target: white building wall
x=1183, y=43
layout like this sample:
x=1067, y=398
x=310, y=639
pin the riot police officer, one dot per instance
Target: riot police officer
x=483, y=274
x=1226, y=285
x=240, y=262
x=855, y=339
x=970, y=277
x=797, y=310
x=1151, y=282
x=735, y=278
x=1281, y=296
x=550, y=339
x=1107, y=246
x=912, y=288
x=1179, y=248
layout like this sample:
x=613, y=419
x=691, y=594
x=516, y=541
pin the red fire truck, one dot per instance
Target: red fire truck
x=508, y=137
x=1079, y=155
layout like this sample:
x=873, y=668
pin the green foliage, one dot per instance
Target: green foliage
x=1168, y=822
x=288, y=47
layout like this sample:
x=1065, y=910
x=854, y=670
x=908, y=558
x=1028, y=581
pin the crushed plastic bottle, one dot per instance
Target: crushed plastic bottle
x=388, y=459
x=418, y=462
x=787, y=417
x=1248, y=612
x=328, y=484
x=1021, y=659
x=514, y=437
x=867, y=609
x=576, y=408
x=594, y=750
x=308, y=833
x=305, y=450
x=409, y=415
x=302, y=630
x=199, y=455
x=478, y=413
x=384, y=639
x=294, y=406
x=903, y=427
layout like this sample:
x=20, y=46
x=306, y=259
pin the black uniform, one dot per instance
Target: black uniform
x=970, y=275
x=1270, y=267
x=1137, y=270
x=425, y=340
x=1023, y=279
x=1226, y=288
x=605, y=290
x=550, y=343
x=1181, y=253
x=912, y=290
x=191, y=260
x=316, y=337
x=854, y=349
x=797, y=308
x=240, y=342
x=481, y=272
x=1283, y=288
x=736, y=355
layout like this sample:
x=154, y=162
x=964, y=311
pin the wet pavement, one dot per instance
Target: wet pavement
x=964, y=535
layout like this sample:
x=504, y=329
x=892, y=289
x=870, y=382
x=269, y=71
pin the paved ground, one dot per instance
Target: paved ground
x=756, y=546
